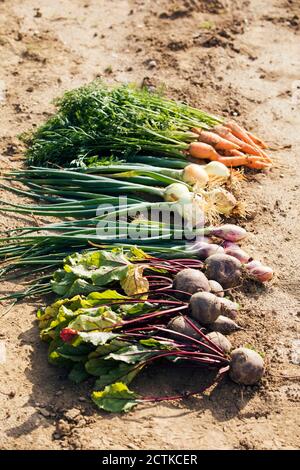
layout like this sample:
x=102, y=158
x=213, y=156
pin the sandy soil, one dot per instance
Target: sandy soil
x=237, y=58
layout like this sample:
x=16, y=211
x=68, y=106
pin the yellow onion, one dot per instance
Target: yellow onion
x=195, y=174
x=217, y=169
x=177, y=192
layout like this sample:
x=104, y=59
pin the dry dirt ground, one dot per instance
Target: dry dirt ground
x=236, y=58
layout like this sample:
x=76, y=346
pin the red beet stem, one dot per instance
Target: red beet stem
x=212, y=344
x=154, y=314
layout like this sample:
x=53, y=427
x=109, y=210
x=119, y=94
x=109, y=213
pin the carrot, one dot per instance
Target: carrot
x=233, y=153
x=260, y=143
x=250, y=162
x=202, y=150
x=226, y=134
x=214, y=139
x=239, y=132
x=242, y=134
x=247, y=148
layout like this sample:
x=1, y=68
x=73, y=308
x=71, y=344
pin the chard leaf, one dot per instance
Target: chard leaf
x=136, y=253
x=134, y=282
x=97, y=338
x=136, y=309
x=115, y=398
x=107, y=348
x=107, y=274
x=78, y=373
x=101, y=319
x=154, y=343
x=99, y=366
x=97, y=298
x=78, y=353
x=123, y=372
x=130, y=354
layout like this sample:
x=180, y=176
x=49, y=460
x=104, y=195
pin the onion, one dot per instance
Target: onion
x=207, y=249
x=217, y=169
x=177, y=192
x=227, y=244
x=260, y=272
x=191, y=210
x=237, y=253
x=195, y=174
x=230, y=232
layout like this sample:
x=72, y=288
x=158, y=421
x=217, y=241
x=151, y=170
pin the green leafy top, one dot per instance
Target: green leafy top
x=121, y=121
x=84, y=272
x=115, y=398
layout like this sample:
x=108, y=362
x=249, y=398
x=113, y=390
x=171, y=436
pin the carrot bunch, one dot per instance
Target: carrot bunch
x=231, y=145
x=96, y=121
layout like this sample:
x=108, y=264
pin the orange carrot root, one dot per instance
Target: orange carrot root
x=247, y=148
x=252, y=148
x=215, y=140
x=238, y=132
x=203, y=151
x=233, y=153
x=266, y=157
x=250, y=162
x=260, y=143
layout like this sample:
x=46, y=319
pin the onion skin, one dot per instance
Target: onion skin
x=217, y=169
x=177, y=192
x=226, y=244
x=246, y=367
x=230, y=232
x=195, y=174
x=223, y=200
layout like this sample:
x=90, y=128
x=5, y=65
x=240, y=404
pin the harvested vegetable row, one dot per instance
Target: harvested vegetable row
x=126, y=122
x=113, y=337
x=81, y=192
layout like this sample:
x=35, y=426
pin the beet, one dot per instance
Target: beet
x=224, y=269
x=180, y=325
x=191, y=280
x=205, y=307
x=229, y=309
x=220, y=340
x=246, y=367
x=216, y=288
x=224, y=325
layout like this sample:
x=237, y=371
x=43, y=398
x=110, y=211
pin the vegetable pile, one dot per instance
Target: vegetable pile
x=145, y=315
x=131, y=287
